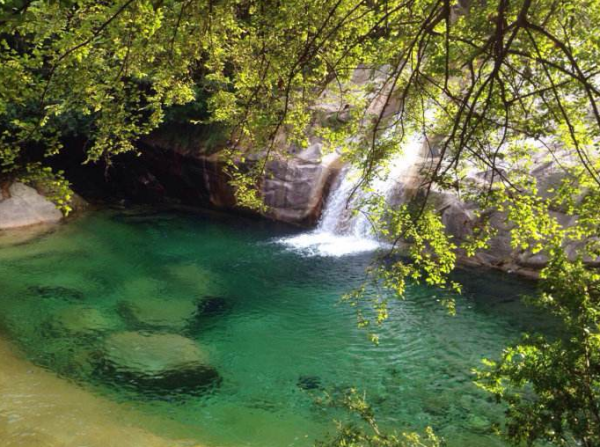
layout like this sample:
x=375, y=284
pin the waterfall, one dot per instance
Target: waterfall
x=340, y=231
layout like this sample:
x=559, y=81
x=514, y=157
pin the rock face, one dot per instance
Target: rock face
x=459, y=218
x=156, y=362
x=293, y=188
x=26, y=207
x=179, y=163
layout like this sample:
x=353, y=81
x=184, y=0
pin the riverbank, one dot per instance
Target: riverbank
x=39, y=409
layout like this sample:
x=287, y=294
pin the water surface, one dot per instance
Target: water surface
x=274, y=329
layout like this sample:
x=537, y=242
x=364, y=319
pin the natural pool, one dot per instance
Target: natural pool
x=266, y=318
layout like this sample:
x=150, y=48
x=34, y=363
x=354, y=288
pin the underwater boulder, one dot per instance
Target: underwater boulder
x=309, y=383
x=57, y=292
x=157, y=313
x=80, y=320
x=196, y=278
x=213, y=305
x=160, y=363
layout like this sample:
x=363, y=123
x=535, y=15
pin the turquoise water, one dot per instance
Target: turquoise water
x=272, y=328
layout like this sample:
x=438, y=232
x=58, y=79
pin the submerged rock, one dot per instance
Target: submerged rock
x=80, y=320
x=57, y=292
x=158, y=313
x=213, y=305
x=309, y=383
x=196, y=278
x=157, y=362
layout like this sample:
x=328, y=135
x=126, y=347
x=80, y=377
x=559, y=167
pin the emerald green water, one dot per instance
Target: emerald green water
x=277, y=336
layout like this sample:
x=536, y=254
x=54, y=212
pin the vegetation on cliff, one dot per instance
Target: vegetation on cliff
x=490, y=84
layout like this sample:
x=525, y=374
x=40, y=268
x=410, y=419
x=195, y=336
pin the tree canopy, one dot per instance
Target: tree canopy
x=490, y=84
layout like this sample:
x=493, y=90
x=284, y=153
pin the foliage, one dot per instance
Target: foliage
x=491, y=86
x=368, y=434
x=552, y=387
x=53, y=184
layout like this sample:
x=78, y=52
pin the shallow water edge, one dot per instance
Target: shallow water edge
x=39, y=409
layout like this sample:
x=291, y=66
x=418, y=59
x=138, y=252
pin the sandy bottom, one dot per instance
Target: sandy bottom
x=38, y=409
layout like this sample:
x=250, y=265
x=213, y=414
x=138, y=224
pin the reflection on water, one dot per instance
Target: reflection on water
x=216, y=334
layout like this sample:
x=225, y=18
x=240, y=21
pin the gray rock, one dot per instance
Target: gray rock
x=26, y=207
x=537, y=261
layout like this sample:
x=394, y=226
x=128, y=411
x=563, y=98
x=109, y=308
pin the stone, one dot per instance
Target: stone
x=457, y=218
x=57, y=292
x=213, y=305
x=156, y=362
x=537, y=261
x=196, y=278
x=22, y=236
x=26, y=207
x=80, y=320
x=158, y=313
x=144, y=286
x=309, y=383
x=293, y=188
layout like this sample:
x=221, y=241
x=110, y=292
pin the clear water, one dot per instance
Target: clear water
x=278, y=337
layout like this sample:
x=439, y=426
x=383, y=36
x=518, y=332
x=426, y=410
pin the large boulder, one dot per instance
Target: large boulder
x=156, y=362
x=460, y=217
x=294, y=188
x=24, y=207
x=211, y=306
x=181, y=163
x=196, y=278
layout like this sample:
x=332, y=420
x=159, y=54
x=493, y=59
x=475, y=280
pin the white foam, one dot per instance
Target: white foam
x=320, y=243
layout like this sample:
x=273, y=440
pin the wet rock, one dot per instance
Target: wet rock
x=161, y=363
x=294, y=188
x=57, y=292
x=156, y=313
x=309, y=383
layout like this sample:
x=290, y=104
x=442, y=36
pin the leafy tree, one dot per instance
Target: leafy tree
x=552, y=387
x=490, y=85
x=366, y=433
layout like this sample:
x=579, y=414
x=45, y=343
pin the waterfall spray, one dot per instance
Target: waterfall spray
x=341, y=231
